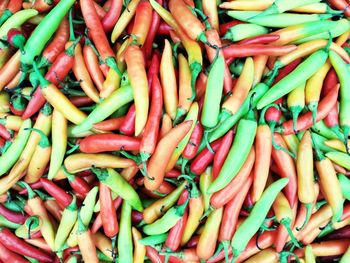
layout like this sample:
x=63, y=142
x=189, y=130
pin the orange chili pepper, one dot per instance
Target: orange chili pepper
x=9, y=70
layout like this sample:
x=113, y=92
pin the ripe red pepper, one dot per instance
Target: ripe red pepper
x=12, y=216
x=61, y=196
x=221, y=154
x=111, y=17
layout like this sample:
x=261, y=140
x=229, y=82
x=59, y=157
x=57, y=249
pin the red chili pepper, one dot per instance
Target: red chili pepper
x=136, y=217
x=151, y=130
x=153, y=69
x=15, y=244
x=332, y=119
x=238, y=50
x=98, y=220
x=222, y=197
x=79, y=185
x=221, y=154
x=223, y=28
x=164, y=29
x=204, y=158
x=58, y=42
x=305, y=121
x=173, y=240
x=173, y=173
x=108, y=213
x=152, y=32
x=261, y=39
x=108, y=142
x=153, y=255
x=128, y=126
x=193, y=144
x=12, y=216
x=111, y=124
x=4, y=133
x=62, y=198
x=341, y=5
x=57, y=72
x=93, y=65
x=80, y=101
x=6, y=255
x=111, y=17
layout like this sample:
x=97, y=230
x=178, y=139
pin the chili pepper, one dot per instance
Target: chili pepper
x=128, y=126
x=139, y=248
x=111, y=124
x=53, y=208
x=168, y=80
x=193, y=49
x=30, y=229
x=69, y=217
x=57, y=72
x=339, y=158
x=150, y=134
x=344, y=185
x=230, y=216
x=223, y=196
x=167, y=221
x=305, y=174
x=159, y=207
x=124, y=19
x=305, y=121
x=13, y=153
x=261, y=39
x=256, y=217
x=40, y=158
x=213, y=93
x=81, y=73
x=185, y=89
x=56, y=46
x=138, y=79
x=340, y=5
x=112, y=15
x=12, y=122
x=63, y=198
x=330, y=184
x=285, y=216
x=104, y=109
x=207, y=240
x=244, y=31
x=245, y=134
x=158, y=163
x=85, y=242
x=108, y=214
x=327, y=248
x=17, y=245
x=82, y=161
x=191, y=116
x=9, y=70
x=5, y=134
x=240, y=90
x=108, y=142
x=86, y=211
x=152, y=32
x=36, y=205
x=92, y=64
x=11, y=8
x=125, y=247
x=98, y=35
x=344, y=78
x=4, y=102
x=12, y=216
x=42, y=33
x=193, y=144
x=6, y=254
x=175, y=235
x=118, y=185
x=153, y=255
x=211, y=11
x=214, y=39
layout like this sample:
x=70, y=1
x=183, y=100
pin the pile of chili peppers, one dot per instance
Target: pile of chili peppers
x=174, y=131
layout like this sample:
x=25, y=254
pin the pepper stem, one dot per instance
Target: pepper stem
x=307, y=216
x=44, y=141
x=287, y=222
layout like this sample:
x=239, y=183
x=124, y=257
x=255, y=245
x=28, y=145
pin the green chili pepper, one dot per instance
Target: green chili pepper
x=167, y=221
x=343, y=73
x=43, y=32
x=345, y=185
x=154, y=240
x=293, y=80
x=69, y=217
x=238, y=153
x=213, y=93
x=340, y=27
x=251, y=101
x=340, y=158
x=8, y=159
x=117, y=99
x=256, y=218
x=322, y=129
x=6, y=223
x=243, y=31
x=319, y=141
x=125, y=246
x=86, y=212
x=120, y=186
x=16, y=21
x=278, y=20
